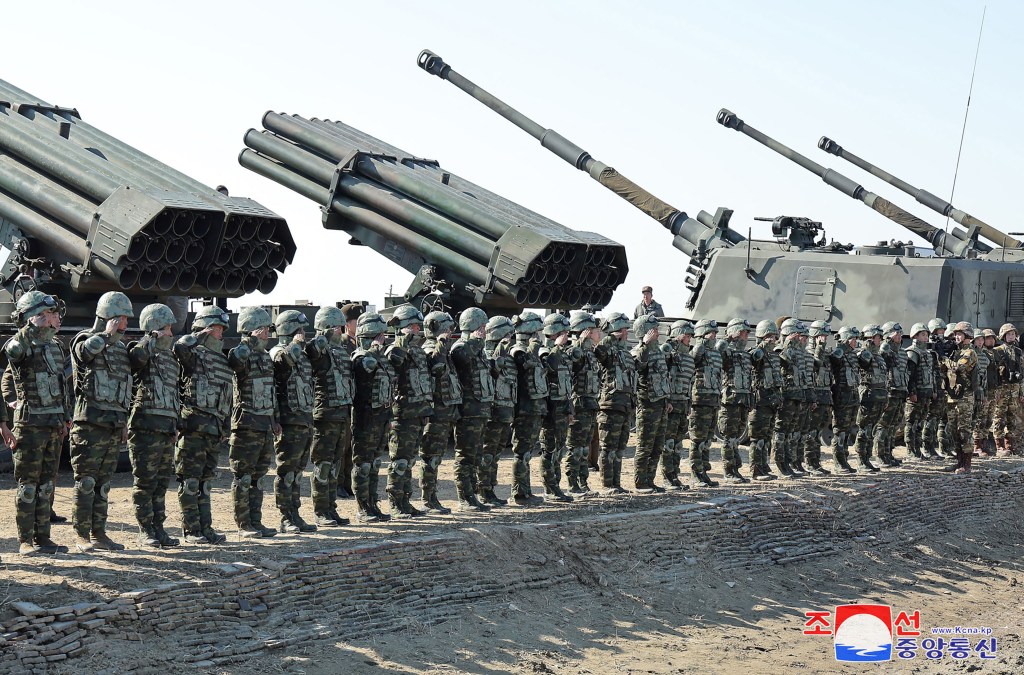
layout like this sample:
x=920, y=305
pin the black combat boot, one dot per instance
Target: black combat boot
x=818, y=469
x=844, y=465
x=783, y=466
x=865, y=461
x=48, y=546
x=760, y=473
x=148, y=536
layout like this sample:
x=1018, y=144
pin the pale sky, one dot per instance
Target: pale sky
x=638, y=87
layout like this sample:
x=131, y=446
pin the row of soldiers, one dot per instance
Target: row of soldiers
x=346, y=395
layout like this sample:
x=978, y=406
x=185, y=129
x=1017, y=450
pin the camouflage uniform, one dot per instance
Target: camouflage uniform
x=206, y=404
x=787, y=442
x=1006, y=411
x=36, y=363
x=987, y=360
x=555, y=428
x=767, y=398
x=889, y=422
x=586, y=388
x=873, y=394
x=652, y=404
x=940, y=348
x=845, y=397
x=531, y=406
x=820, y=418
x=477, y=379
x=680, y=371
x=706, y=399
x=498, y=434
x=153, y=422
x=921, y=387
x=376, y=382
x=737, y=395
x=618, y=399
x=254, y=421
x=961, y=369
x=447, y=400
x=333, y=386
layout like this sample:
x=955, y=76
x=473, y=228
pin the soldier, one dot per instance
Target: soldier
x=1006, y=410
x=767, y=399
x=618, y=398
x=979, y=428
x=845, y=396
x=896, y=366
x=558, y=355
x=412, y=409
x=737, y=394
x=808, y=408
x=352, y=312
x=376, y=384
x=920, y=392
x=254, y=421
x=962, y=382
x=941, y=348
x=680, y=374
x=153, y=422
x=531, y=406
x=103, y=389
x=586, y=388
x=477, y=379
x=500, y=338
x=36, y=363
x=820, y=419
x=706, y=397
x=206, y=396
x=873, y=392
x=787, y=441
x=333, y=387
x=983, y=423
x=652, y=402
x=438, y=327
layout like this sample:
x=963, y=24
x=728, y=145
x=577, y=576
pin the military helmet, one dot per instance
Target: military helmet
x=737, y=326
x=964, y=327
x=555, y=324
x=498, y=327
x=890, y=328
x=370, y=325
x=818, y=328
x=580, y=321
x=405, y=316
x=978, y=333
x=988, y=332
x=681, y=327
x=472, y=318
x=791, y=327
x=644, y=323
x=766, y=328
x=848, y=333
x=210, y=315
x=527, y=323
x=917, y=328
x=156, y=316
x=615, y=322
x=705, y=327
x=114, y=303
x=253, y=318
x=1006, y=328
x=871, y=330
x=438, y=322
x=328, y=317
x=290, y=322
x=33, y=303
x=936, y=324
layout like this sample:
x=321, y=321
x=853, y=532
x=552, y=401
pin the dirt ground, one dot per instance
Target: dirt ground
x=697, y=621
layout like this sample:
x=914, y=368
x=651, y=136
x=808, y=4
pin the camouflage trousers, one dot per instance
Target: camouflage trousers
x=819, y=427
x=369, y=436
x=868, y=415
x=249, y=455
x=983, y=416
x=497, y=437
x=959, y=425
x=292, y=448
x=787, y=439
x=702, y=431
x=844, y=426
x=760, y=425
x=525, y=441
x=613, y=431
x=152, y=456
x=916, y=414
x=433, y=445
x=404, y=444
x=553, y=438
x=581, y=431
x=94, y=451
x=195, y=460
x=469, y=443
x=1006, y=419
x=732, y=420
x=677, y=428
x=650, y=441
x=933, y=433
x=35, y=468
x=331, y=441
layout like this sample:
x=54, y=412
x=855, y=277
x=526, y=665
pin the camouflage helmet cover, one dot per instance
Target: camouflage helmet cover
x=849, y=333
x=290, y=322
x=681, y=327
x=405, y=316
x=766, y=328
x=964, y=327
x=210, y=315
x=435, y=323
x=370, y=325
x=705, y=327
x=253, y=318
x=471, y=319
x=114, y=303
x=890, y=328
x=33, y=303
x=871, y=330
x=1006, y=328
x=328, y=317
x=818, y=328
x=615, y=322
x=988, y=332
x=792, y=327
x=528, y=323
x=580, y=321
x=644, y=323
x=917, y=328
x=555, y=324
x=498, y=327
x=737, y=326
x=936, y=324
x=156, y=316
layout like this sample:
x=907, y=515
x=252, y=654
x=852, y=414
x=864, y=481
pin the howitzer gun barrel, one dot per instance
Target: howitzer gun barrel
x=924, y=197
x=956, y=243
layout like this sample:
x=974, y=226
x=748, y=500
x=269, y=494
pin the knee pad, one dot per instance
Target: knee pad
x=243, y=481
x=190, y=487
x=840, y=439
x=104, y=491
x=336, y=470
x=206, y=487
x=485, y=460
x=46, y=490
x=376, y=464
x=263, y=482
x=400, y=466
x=322, y=472
x=87, y=484
x=363, y=470
x=27, y=494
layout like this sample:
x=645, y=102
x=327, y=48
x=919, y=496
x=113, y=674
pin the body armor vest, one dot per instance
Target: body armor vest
x=447, y=387
x=39, y=383
x=652, y=380
x=415, y=384
x=980, y=377
x=707, y=376
x=506, y=385
x=208, y=388
x=619, y=374
x=992, y=377
x=792, y=357
x=333, y=386
x=254, y=392
x=382, y=383
x=845, y=368
x=875, y=372
x=1009, y=364
x=586, y=380
x=559, y=374
x=768, y=373
x=896, y=360
x=737, y=372
x=680, y=372
x=924, y=375
x=156, y=386
x=533, y=381
x=477, y=381
x=295, y=394
x=822, y=373
x=103, y=385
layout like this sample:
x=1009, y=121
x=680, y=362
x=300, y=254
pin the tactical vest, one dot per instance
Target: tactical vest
x=156, y=386
x=768, y=374
x=793, y=370
x=738, y=368
x=992, y=378
x=295, y=397
x=680, y=373
x=103, y=384
x=415, y=384
x=1010, y=367
x=586, y=380
x=254, y=394
x=707, y=376
x=653, y=381
x=980, y=377
x=559, y=374
x=333, y=387
x=477, y=381
x=845, y=368
x=619, y=374
x=896, y=359
x=924, y=375
x=533, y=381
x=447, y=387
x=875, y=372
x=384, y=380
x=506, y=385
x=208, y=388
x=39, y=383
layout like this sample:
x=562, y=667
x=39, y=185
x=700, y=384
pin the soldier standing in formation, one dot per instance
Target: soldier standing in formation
x=376, y=382
x=788, y=441
x=652, y=403
x=767, y=399
x=940, y=348
x=896, y=368
x=477, y=380
x=737, y=376
x=586, y=388
x=873, y=392
x=820, y=423
x=352, y=312
x=707, y=397
x=983, y=416
x=921, y=390
x=1006, y=410
x=557, y=354
x=438, y=327
x=961, y=374
x=531, y=406
x=500, y=338
x=845, y=364
x=618, y=398
x=677, y=427
x=412, y=409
